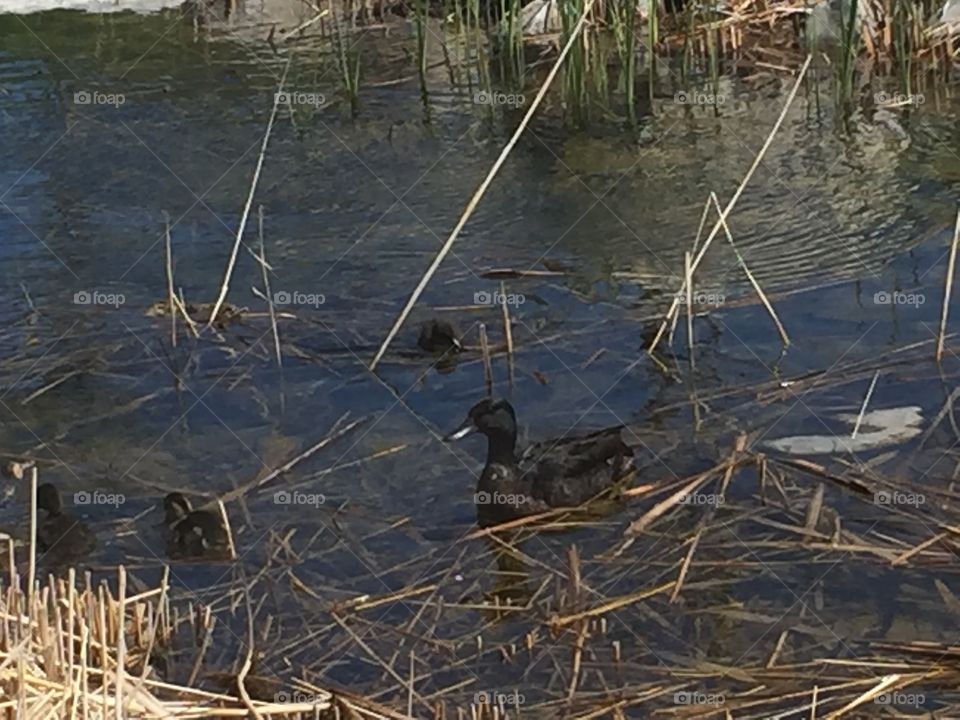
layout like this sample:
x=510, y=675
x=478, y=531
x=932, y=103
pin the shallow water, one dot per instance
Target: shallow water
x=355, y=208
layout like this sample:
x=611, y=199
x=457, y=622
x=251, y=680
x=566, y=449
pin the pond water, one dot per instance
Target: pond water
x=113, y=122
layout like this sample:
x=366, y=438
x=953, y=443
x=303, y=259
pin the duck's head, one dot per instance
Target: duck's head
x=439, y=336
x=492, y=417
x=176, y=507
x=48, y=498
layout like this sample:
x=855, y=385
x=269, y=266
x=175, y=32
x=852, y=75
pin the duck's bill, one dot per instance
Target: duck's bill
x=462, y=431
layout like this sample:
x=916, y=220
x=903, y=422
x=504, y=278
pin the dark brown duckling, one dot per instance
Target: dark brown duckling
x=439, y=336
x=193, y=533
x=554, y=473
x=60, y=532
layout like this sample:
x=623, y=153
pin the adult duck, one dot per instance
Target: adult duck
x=564, y=472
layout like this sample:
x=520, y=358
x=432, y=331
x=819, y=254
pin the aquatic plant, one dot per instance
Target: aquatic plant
x=623, y=20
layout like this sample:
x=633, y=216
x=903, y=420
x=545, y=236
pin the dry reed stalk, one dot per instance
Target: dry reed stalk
x=182, y=307
x=11, y=560
x=487, y=364
x=208, y=622
x=879, y=689
x=304, y=25
x=644, y=521
x=948, y=288
x=558, y=622
x=688, y=281
x=736, y=196
x=517, y=523
x=507, y=332
x=753, y=281
x=32, y=571
x=335, y=433
x=412, y=681
x=482, y=189
x=685, y=566
x=863, y=407
x=121, y=649
x=902, y=559
x=228, y=273
x=226, y=526
x=696, y=244
x=169, y=267
x=247, y=662
x=266, y=287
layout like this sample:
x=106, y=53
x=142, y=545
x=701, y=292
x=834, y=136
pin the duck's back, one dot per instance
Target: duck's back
x=572, y=470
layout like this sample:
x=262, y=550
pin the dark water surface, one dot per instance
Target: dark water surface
x=355, y=208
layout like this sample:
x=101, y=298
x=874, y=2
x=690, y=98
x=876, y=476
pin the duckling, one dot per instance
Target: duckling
x=60, y=532
x=193, y=532
x=555, y=473
x=439, y=336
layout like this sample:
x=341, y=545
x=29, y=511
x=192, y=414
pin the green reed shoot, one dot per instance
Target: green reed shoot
x=422, y=18
x=623, y=15
x=850, y=47
x=348, y=63
x=575, y=81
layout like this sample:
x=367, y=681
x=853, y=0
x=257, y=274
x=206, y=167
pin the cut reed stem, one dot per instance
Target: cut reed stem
x=228, y=273
x=863, y=407
x=507, y=332
x=170, y=294
x=948, y=288
x=266, y=289
x=487, y=364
